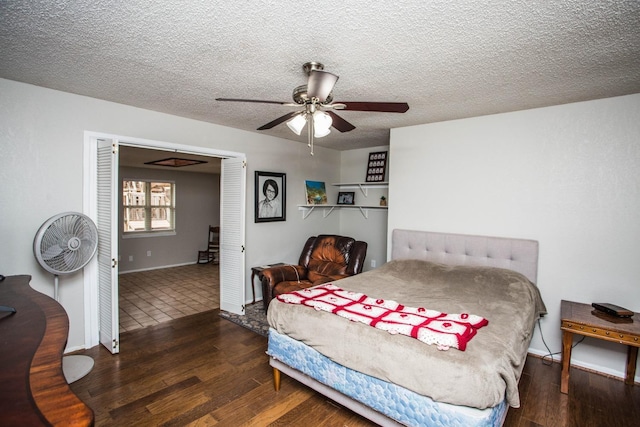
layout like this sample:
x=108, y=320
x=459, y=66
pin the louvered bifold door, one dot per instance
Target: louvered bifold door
x=232, y=249
x=107, y=224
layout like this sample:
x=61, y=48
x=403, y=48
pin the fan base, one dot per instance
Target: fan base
x=75, y=367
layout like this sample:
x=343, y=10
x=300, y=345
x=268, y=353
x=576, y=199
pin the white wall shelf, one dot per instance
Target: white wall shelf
x=327, y=209
x=364, y=209
x=363, y=186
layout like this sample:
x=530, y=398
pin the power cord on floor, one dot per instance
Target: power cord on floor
x=551, y=354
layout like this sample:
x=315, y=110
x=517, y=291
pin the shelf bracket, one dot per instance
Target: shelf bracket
x=308, y=212
x=328, y=209
x=326, y=214
x=364, y=190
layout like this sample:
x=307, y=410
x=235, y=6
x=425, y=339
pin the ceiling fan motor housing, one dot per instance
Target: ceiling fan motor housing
x=301, y=97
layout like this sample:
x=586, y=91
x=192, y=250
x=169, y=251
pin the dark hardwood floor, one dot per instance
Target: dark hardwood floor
x=202, y=370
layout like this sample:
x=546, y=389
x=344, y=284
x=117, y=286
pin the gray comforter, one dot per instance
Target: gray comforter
x=481, y=376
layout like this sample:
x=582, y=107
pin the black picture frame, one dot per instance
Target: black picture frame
x=277, y=210
x=346, y=197
x=377, y=167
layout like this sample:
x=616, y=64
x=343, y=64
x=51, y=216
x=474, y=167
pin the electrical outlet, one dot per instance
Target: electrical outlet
x=373, y=263
x=148, y=253
x=130, y=258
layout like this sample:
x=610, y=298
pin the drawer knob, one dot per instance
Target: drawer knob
x=621, y=336
x=606, y=333
x=594, y=329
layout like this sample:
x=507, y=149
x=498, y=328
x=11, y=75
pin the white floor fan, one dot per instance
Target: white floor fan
x=64, y=244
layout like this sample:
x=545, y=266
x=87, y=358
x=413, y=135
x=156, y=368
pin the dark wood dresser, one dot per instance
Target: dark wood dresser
x=33, y=390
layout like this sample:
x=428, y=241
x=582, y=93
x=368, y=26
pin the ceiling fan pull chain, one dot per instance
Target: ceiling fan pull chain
x=311, y=130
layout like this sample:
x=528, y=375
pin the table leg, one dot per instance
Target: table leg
x=632, y=358
x=567, y=340
x=253, y=289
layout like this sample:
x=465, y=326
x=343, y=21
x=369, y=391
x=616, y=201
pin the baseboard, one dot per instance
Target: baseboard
x=156, y=268
x=589, y=367
x=74, y=349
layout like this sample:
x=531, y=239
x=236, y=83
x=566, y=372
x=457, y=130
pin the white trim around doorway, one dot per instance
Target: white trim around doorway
x=90, y=275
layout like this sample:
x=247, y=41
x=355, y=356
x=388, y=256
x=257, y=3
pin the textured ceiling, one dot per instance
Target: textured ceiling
x=446, y=59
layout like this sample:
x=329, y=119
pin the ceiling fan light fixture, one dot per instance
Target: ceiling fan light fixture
x=320, y=134
x=296, y=124
x=322, y=124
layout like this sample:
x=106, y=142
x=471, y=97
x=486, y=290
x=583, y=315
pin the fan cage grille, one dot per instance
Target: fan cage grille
x=66, y=243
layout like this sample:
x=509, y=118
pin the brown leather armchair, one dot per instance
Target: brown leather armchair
x=324, y=258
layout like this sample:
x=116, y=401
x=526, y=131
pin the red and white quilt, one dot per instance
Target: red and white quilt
x=429, y=326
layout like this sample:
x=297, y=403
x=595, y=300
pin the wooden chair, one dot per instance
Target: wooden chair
x=212, y=253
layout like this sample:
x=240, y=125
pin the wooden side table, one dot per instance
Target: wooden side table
x=256, y=271
x=583, y=319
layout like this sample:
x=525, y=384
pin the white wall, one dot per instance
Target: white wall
x=197, y=207
x=41, y=145
x=567, y=176
x=373, y=229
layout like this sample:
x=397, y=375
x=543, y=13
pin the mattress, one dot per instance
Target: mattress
x=391, y=400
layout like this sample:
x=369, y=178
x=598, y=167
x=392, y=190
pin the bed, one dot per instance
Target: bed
x=396, y=379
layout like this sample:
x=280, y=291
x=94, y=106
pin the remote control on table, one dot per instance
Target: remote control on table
x=614, y=310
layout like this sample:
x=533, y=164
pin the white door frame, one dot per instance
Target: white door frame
x=90, y=192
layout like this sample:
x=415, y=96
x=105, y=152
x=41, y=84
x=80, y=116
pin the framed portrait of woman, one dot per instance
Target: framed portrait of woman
x=270, y=200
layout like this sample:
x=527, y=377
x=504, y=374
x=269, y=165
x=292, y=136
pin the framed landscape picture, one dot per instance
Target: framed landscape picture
x=271, y=196
x=316, y=192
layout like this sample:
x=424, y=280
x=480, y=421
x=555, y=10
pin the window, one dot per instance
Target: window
x=149, y=206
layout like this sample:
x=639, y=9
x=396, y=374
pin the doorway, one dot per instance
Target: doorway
x=157, y=278
x=100, y=203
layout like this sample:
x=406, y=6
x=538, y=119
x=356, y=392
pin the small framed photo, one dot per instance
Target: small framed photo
x=346, y=197
x=271, y=196
x=376, y=167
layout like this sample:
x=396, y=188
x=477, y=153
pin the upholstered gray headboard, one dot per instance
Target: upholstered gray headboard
x=520, y=255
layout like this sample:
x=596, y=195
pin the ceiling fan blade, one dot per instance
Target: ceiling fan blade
x=382, y=107
x=339, y=123
x=279, y=120
x=258, y=101
x=320, y=84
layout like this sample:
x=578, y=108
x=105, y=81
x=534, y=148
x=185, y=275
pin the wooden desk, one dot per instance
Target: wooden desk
x=582, y=319
x=256, y=271
x=33, y=390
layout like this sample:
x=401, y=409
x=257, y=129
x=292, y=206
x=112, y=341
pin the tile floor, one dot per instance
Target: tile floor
x=150, y=297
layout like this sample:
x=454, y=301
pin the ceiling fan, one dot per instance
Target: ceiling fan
x=316, y=100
